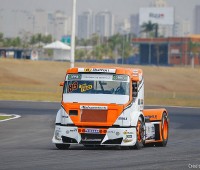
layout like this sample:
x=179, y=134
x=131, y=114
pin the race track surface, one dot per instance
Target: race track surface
x=25, y=143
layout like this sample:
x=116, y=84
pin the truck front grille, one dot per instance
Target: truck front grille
x=94, y=115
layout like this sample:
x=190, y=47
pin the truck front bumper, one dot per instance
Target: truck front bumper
x=123, y=136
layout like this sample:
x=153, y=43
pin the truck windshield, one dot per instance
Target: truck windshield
x=97, y=84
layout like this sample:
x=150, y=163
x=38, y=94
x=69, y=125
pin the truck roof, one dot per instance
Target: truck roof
x=135, y=73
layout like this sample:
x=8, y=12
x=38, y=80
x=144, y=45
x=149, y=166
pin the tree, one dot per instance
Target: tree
x=33, y=40
x=16, y=42
x=194, y=48
x=47, y=39
x=39, y=38
x=1, y=37
x=151, y=29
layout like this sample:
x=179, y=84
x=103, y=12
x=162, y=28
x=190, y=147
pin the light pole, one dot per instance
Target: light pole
x=73, y=34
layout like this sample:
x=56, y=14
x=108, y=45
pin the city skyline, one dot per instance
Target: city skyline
x=121, y=7
x=121, y=11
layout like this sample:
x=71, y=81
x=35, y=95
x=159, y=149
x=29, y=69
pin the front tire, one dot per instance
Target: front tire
x=140, y=132
x=62, y=146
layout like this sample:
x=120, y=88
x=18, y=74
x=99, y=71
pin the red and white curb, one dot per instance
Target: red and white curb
x=14, y=116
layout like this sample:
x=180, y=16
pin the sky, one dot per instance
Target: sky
x=122, y=8
x=184, y=9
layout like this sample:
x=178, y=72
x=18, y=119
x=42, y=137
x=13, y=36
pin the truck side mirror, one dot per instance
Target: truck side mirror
x=61, y=83
x=134, y=89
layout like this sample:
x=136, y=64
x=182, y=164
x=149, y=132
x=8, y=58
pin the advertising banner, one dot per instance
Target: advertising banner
x=161, y=16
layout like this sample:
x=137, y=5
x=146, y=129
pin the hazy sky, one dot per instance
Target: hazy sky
x=184, y=8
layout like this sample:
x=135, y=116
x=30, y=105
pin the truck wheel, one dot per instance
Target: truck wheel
x=164, y=130
x=140, y=132
x=63, y=146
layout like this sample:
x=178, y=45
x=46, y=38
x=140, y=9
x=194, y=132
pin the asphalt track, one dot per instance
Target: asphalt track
x=25, y=143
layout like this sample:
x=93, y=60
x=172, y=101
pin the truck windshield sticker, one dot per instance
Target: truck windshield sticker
x=120, y=77
x=97, y=77
x=74, y=77
x=72, y=87
x=97, y=70
x=85, y=87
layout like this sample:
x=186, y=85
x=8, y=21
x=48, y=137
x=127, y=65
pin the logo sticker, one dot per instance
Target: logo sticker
x=74, y=77
x=85, y=87
x=92, y=131
x=94, y=107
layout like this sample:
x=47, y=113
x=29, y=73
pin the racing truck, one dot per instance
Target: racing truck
x=105, y=106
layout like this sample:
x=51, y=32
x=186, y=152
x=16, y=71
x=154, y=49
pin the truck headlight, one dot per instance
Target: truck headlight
x=57, y=135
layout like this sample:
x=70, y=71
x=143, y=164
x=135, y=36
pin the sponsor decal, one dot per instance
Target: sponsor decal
x=64, y=116
x=156, y=15
x=91, y=140
x=117, y=133
x=122, y=118
x=85, y=87
x=127, y=140
x=120, y=77
x=111, y=131
x=152, y=116
x=72, y=87
x=128, y=136
x=98, y=70
x=73, y=130
x=126, y=132
x=93, y=77
x=91, y=130
x=87, y=70
x=74, y=77
x=94, y=107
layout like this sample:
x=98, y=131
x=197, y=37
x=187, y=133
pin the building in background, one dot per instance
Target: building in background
x=85, y=25
x=197, y=19
x=182, y=28
x=41, y=21
x=104, y=24
x=134, y=24
x=168, y=51
x=158, y=3
x=59, y=24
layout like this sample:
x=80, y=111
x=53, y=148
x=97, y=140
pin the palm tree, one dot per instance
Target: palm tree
x=149, y=28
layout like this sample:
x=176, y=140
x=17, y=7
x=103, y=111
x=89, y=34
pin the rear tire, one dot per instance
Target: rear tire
x=140, y=133
x=164, y=131
x=62, y=146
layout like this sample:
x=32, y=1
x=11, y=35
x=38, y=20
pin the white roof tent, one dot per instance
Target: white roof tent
x=61, y=51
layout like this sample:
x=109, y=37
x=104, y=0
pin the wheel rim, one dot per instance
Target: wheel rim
x=165, y=129
x=139, y=131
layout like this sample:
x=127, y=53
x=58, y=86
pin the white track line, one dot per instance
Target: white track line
x=14, y=116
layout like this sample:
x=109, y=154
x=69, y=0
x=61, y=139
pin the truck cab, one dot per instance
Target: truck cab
x=105, y=106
